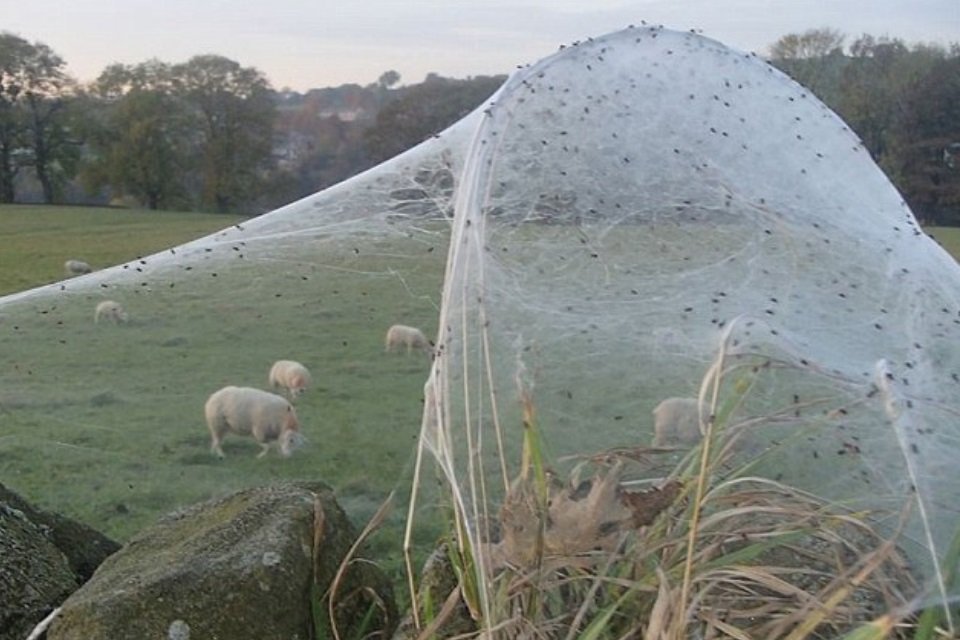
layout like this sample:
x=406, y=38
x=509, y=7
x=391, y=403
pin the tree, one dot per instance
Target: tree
x=118, y=80
x=813, y=58
x=425, y=109
x=55, y=151
x=903, y=102
x=235, y=110
x=173, y=135
x=870, y=88
x=35, y=94
x=142, y=138
x=388, y=79
x=150, y=156
x=811, y=44
x=13, y=50
x=927, y=143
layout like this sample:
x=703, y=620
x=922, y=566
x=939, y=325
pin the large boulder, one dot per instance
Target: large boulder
x=249, y=565
x=44, y=557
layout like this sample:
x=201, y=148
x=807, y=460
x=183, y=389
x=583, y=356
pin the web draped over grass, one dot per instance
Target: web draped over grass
x=631, y=203
x=587, y=240
x=104, y=422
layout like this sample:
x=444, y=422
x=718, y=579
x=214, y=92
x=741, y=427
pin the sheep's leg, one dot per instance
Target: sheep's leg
x=266, y=447
x=215, y=448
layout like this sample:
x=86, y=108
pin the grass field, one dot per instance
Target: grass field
x=35, y=240
x=948, y=238
x=104, y=423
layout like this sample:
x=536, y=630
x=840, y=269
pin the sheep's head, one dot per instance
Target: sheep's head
x=290, y=440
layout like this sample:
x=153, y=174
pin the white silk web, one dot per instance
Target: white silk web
x=615, y=213
x=630, y=203
x=104, y=422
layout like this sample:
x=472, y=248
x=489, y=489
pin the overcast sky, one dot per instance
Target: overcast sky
x=303, y=44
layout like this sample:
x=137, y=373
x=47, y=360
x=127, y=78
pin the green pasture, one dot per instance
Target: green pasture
x=104, y=423
x=946, y=237
x=35, y=240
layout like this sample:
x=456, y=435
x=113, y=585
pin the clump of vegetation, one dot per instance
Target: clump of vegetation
x=707, y=551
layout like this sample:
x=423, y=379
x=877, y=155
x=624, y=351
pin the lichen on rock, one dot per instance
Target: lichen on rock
x=241, y=566
x=43, y=558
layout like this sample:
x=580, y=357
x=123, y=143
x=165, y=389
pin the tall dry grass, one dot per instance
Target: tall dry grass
x=707, y=550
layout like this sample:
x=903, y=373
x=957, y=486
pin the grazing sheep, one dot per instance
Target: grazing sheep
x=109, y=310
x=676, y=422
x=76, y=267
x=291, y=375
x=399, y=335
x=251, y=412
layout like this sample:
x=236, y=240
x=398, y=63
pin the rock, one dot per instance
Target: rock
x=84, y=547
x=43, y=558
x=34, y=575
x=438, y=586
x=241, y=566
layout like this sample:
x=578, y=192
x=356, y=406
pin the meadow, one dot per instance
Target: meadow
x=948, y=238
x=36, y=239
x=104, y=423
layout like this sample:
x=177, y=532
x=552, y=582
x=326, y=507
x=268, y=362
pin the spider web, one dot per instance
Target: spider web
x=592, y=236
x=634, y=202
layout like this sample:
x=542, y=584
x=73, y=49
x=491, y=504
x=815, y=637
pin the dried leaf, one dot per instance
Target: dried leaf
x=647, y=505
x=583, y=518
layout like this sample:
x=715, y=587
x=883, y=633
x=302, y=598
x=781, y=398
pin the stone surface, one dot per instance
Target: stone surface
x=241, y=566
x=437, y=583
x=84, y=547
x=44, y=557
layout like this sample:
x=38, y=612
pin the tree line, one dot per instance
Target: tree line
x=902, y=101
x=212, y=135
x=207, y=134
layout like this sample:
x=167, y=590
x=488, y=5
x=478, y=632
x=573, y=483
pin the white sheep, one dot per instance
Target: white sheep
x=76, y=267
x=251, y=412
x=290, y=375
x=109, y=310
x=676, y=422
x=401, y=335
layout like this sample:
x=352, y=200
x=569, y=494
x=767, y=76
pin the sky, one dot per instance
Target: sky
x=304, y=44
